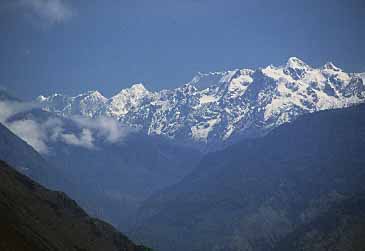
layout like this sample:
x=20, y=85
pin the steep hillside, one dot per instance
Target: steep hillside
x=28, y=161
x=34, y=218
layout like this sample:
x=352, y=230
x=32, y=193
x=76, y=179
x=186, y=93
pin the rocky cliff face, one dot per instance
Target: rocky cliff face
x=217, y=108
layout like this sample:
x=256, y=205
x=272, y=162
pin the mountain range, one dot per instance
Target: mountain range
x=280, y=190
x=259, y=160
x=259, y=194
x=217, y=108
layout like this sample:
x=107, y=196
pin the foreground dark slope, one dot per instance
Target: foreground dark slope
x=34, y=218
x=28, y=161
x=254, y=193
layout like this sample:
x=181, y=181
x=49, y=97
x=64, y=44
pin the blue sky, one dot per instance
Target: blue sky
x=70, y=46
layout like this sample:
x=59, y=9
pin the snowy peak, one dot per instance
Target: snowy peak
x=296, y=63
x=91, y=96
x=55, y=102
x=205, y=80
x=96, y=94
x=219, y=107
x=127, y=100
x=331, y=66
x=138, y=89
x=296, y=68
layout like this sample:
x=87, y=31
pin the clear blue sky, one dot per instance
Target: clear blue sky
x=72, y=46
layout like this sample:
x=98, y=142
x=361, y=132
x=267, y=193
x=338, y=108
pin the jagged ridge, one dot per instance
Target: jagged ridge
x=218, y=107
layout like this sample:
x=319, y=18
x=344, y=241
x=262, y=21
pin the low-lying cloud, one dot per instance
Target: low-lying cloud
x=31, y=132
x=85, y=139
x=40, y=135
x=28, y=130
x=10, y=108
x=107, y=128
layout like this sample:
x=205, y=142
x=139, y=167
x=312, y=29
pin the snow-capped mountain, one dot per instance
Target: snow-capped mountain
x=218, y=107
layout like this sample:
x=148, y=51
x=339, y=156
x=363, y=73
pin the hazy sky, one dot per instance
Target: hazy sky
x=71, y=46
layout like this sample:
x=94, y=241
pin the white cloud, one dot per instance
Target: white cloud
x=28, y=130
x=54, y=127
x=108, y=128
x=9, y=108
x=32, y=133
x=52, y=11
x=85, y=139
x=41, y=134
